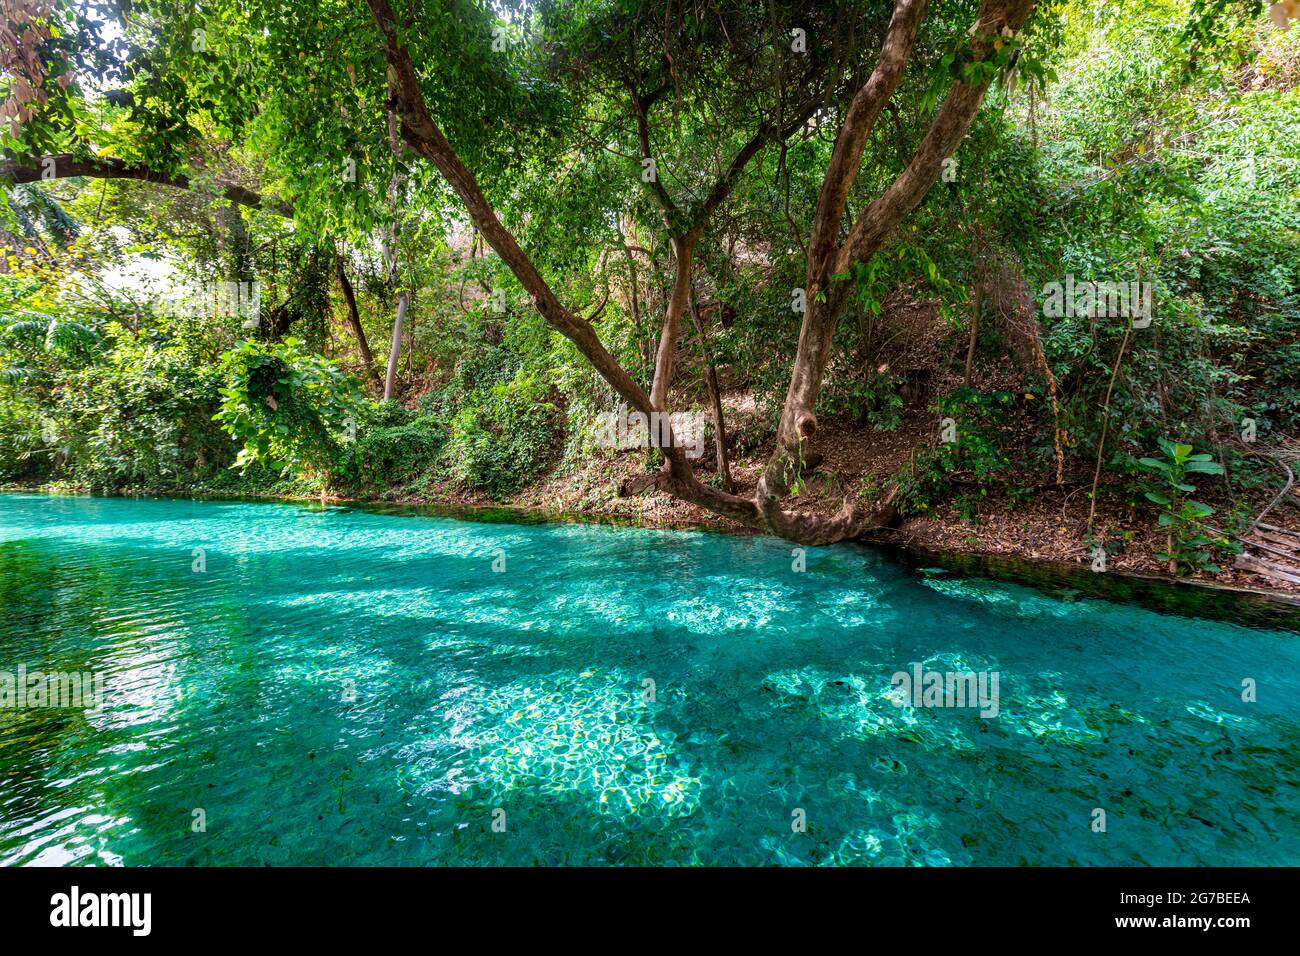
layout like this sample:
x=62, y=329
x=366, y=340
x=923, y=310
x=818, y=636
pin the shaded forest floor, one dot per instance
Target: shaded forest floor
x=1023, y=513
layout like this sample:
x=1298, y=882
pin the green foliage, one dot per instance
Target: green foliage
x=287, y=407
x=1185, y=178
x=24, y=458
x=93, y=399
x=141, y=418
x=874, y=400
x=502, y=438
x=395, y=451
x=1190, y=543
x=974, y=454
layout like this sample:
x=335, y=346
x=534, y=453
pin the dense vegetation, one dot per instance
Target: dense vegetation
x=219, y=218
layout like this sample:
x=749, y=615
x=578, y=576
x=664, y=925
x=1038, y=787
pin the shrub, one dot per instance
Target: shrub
x=502, y=439
x=1189, y=543
x=142, y=418
x=394, y=449
x=288, y=408
x=24, y=456
x=974, y=450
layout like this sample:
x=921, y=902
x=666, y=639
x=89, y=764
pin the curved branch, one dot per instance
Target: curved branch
x=67, y=166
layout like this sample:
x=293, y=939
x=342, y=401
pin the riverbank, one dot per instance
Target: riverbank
x=1022, y=517
x=1198, y=596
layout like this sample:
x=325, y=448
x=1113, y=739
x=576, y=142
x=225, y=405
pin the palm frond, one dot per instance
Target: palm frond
x=69, y=336
x=28, y=329
x=43, y=210
x=15, y=374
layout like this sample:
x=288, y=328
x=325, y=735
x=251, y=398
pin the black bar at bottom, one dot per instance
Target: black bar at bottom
x=333, y=906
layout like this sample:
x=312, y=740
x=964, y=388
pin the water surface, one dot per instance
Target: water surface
x=339, y=686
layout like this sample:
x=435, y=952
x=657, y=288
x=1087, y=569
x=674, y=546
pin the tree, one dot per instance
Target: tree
x=299, y=98
x=991, y=47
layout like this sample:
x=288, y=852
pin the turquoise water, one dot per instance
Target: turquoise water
x=340, y=686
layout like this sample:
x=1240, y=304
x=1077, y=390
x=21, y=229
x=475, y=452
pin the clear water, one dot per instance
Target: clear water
x=519, y=697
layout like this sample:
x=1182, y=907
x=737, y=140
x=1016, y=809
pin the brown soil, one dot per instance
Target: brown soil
x=1038, y=520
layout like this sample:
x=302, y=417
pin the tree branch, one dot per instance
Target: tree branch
x=842, y=170
x=423, y=135
x=642, y=111
x=66, y=166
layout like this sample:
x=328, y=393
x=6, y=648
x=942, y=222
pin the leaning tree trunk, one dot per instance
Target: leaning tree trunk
x=395, y=354
x=354, y=320
x=826, y=258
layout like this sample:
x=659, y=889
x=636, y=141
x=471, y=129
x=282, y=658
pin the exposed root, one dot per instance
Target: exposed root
x=807, y=528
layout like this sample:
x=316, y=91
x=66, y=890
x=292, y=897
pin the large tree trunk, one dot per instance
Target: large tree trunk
x=879, y=220
x=683, y=252
x=822, y=297
x=868, y=234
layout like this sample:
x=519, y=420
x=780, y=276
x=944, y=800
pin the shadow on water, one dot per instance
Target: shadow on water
x=1061, y=581
x=1066, y=582
x=522, y=691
